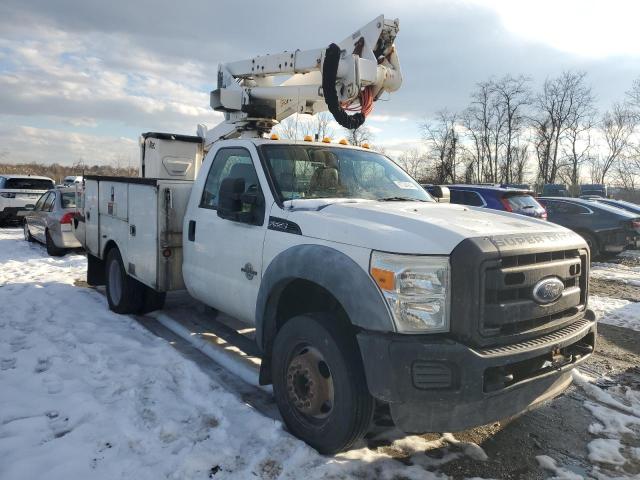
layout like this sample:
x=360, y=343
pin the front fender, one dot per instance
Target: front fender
x=334, y=271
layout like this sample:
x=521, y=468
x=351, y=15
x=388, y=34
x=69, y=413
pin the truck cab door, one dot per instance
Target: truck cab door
x=223, y=258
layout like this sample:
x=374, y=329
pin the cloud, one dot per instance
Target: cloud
x=115, y=69
x=29, y=144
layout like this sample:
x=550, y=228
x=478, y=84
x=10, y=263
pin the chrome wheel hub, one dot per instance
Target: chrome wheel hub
x=310, y=383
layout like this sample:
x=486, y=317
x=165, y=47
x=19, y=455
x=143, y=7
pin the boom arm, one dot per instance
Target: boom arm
x=355, y=71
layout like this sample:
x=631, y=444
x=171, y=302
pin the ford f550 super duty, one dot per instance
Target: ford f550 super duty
x=365, y=293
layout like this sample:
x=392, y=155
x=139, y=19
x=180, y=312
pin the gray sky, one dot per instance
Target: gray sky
x=81, y=79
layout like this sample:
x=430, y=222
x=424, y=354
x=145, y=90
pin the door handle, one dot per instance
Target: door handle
x=192, y=231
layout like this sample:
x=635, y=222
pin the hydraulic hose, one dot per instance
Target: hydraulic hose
x=329, y=75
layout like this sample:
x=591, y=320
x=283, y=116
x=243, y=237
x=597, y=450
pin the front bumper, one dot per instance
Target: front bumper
x=435, y=384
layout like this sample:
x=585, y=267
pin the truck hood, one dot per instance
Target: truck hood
x=407, y=227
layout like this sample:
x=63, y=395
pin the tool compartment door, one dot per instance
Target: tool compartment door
x=142, y=241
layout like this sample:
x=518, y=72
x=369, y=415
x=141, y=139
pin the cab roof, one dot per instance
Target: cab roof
x=15, y=175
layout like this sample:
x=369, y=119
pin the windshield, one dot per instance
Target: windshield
x=27, y=184
x=68, y=200
x=311, y=171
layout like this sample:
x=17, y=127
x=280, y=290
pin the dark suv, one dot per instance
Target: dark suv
x=498, y=198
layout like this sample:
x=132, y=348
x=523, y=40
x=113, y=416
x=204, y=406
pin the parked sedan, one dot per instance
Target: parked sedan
x=605, y=229
x=622, y=204
x=50, y=220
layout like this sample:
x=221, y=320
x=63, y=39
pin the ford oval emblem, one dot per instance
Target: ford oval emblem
x=548, y=290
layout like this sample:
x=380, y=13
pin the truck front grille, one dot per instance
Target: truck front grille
x=507, y=305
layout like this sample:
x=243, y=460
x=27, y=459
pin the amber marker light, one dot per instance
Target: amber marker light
x=384, y=278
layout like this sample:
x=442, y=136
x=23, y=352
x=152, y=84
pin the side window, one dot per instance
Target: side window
x=473, y=198
x=549, y=206
x=48, y=203
x=41, y=200
x=229, y=162
x=466, y=197
x=570, y=209
x=582, y=210
x=457, y=196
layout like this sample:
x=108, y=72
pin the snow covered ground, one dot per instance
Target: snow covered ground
x=614, y=311
x=616, y=409
x=85, y=393
x=617, y=272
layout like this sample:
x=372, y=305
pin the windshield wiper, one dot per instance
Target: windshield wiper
x=400, y=199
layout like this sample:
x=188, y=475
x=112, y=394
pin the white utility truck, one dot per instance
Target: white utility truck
x=365, y=293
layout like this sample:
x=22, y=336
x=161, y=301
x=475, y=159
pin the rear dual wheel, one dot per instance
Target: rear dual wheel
x=319, y=382
x=125, y=294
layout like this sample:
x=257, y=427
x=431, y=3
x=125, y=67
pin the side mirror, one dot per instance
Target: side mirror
x=441, y=193
x=232, y=200
x=29, y=206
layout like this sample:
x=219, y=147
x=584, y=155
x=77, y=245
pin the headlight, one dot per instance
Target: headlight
x=416, y=288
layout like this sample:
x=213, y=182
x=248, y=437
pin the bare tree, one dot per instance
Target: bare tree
x=493, y=123
x=484, y=121
x=577, y=148
x=475, y=151
x=415, y=163
x=288, y=128
x=561, y=101
x=442, y=137
x=359, y=135
x=512, y=96
x=634, y=96
x=617, y=127
x=519, y=161
x=322, y=125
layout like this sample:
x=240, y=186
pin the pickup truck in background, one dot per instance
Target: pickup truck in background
x=365, y=294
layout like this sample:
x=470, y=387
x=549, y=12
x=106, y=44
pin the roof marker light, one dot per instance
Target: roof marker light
x=274, y=136
x=308, y=138
x=326, y=140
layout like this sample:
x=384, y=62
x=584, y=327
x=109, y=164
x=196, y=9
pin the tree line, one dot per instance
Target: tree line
x=57, y=172
x=510, y=133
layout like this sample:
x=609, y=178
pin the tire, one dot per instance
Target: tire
x=319, y=383
x=27, y=234
x=124, y=293
x=592, y=242
x=52, y=250
x=152, y=300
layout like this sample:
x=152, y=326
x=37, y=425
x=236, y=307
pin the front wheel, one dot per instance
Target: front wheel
x=319, y=383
